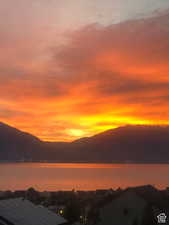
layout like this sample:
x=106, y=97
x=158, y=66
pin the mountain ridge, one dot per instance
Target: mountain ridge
x=136, y=143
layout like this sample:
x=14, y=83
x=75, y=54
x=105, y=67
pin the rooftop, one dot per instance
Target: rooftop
x=19, y=211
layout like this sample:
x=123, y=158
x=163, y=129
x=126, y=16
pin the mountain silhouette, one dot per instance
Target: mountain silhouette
x=124, y=144
x=15, y=144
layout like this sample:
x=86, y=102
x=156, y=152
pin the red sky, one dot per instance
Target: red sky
x=65, y=79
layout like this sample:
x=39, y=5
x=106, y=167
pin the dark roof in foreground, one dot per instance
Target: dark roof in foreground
x=22, y=212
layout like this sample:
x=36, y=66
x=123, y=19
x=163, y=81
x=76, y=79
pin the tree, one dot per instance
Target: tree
x=32, y=195
x=72, y=211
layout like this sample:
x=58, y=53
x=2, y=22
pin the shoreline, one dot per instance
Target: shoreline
x=73, y=190
x=81, y=162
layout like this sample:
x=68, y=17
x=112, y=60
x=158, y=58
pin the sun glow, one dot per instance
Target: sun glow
x=76, y=132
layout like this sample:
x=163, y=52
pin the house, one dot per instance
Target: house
x=2, y=194
x=128, y=208
x=19, y=211
x=45, y=194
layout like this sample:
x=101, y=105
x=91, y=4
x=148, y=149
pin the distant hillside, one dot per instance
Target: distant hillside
x=15, y=144
x=128, y=143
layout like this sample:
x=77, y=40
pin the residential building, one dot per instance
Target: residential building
x=19, y=211
x=127, y=209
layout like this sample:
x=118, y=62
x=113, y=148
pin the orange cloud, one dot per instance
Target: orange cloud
x=103, y=77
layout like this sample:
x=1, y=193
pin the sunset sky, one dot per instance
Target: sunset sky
x=74, y=68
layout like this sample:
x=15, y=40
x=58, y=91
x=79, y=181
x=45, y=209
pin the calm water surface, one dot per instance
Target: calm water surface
x=54, y=176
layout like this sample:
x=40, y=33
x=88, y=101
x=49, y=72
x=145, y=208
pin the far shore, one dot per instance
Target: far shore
x=79, y=162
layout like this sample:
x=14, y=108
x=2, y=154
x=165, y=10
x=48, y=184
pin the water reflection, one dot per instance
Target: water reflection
x=58, y=176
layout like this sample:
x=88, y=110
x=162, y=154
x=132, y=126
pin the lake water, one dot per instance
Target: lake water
x=66, y=176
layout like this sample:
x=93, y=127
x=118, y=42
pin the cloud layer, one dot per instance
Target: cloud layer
x=99, y=77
